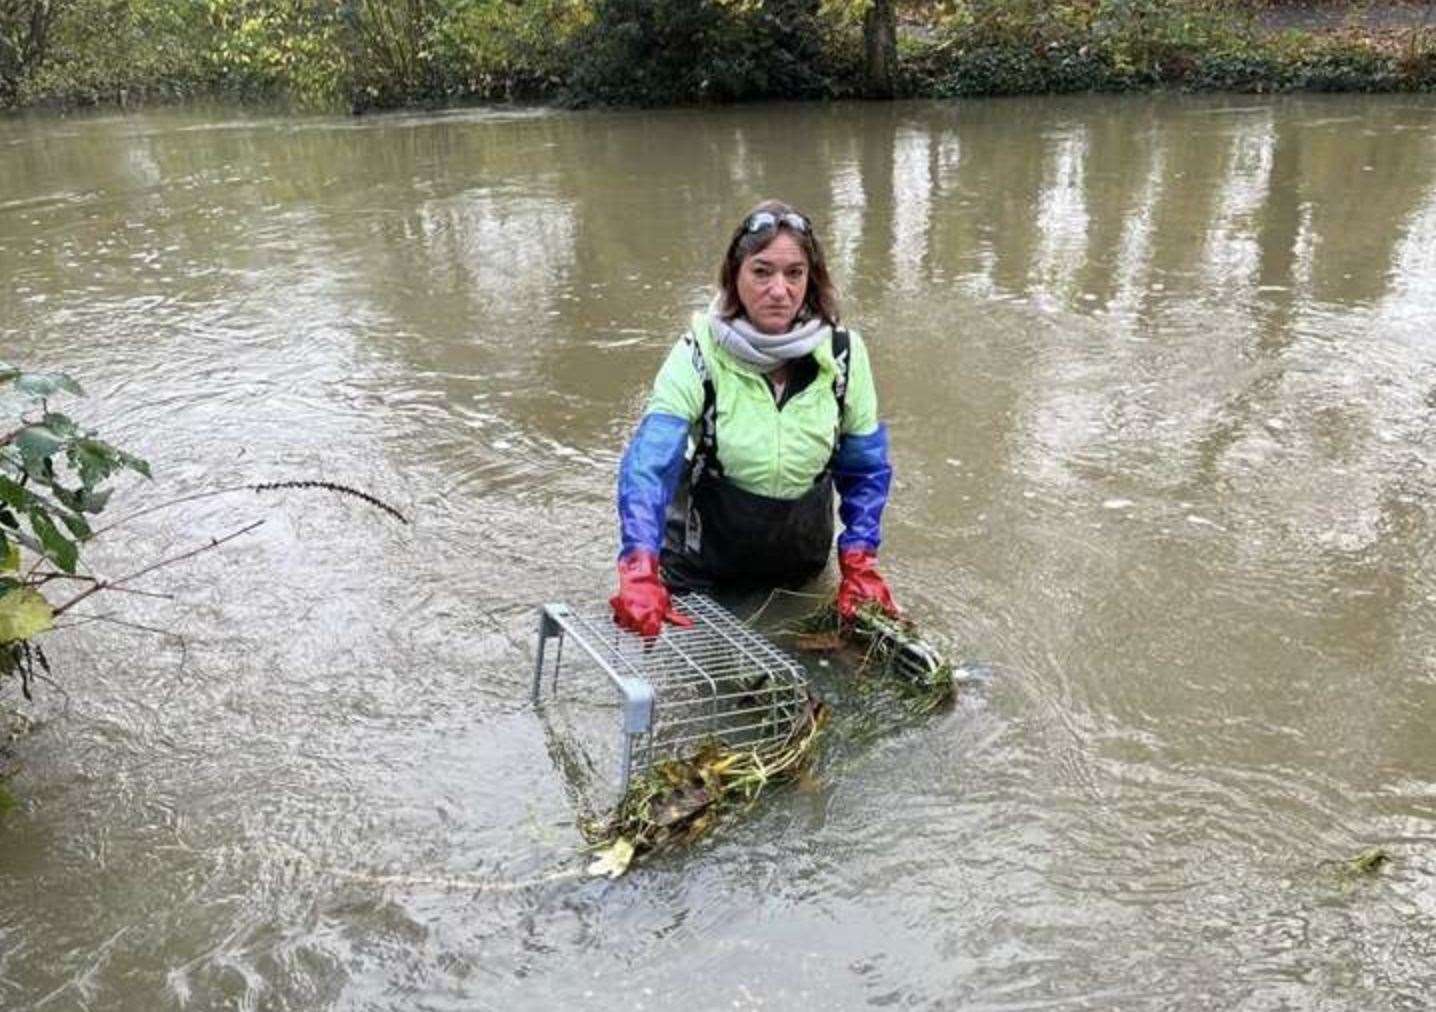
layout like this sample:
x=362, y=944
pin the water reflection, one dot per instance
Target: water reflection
x=1235, y=198
x=1062, y=219
x=913, y=187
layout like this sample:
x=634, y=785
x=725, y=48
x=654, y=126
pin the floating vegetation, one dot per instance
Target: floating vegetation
x=892, y=650
x=1348, y=875
x=1367, y=863
x=679, y=801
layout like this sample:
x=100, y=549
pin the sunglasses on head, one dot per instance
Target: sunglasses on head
x=760, y=221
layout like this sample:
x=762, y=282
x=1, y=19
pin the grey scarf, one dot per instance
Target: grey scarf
x=764, y=351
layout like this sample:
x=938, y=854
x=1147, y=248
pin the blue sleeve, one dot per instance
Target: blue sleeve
x=647, y=478
x=862, y=475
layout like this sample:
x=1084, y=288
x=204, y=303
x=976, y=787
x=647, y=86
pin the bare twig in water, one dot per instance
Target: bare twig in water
x=41, y=676
x=43, y=578
x=100, y=585
x=140, y=627
x=327, y=486
x=41, y=558
x=177, y=637
x=167, y=504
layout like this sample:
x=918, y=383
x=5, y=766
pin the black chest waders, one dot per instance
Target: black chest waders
x=718, y=534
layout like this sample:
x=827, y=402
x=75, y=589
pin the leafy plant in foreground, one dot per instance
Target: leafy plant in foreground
x=54, y=478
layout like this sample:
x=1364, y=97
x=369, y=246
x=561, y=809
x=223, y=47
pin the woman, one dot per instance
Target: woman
x=779, y=404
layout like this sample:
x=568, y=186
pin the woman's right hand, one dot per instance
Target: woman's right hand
x=862, y=583
x=642, y=603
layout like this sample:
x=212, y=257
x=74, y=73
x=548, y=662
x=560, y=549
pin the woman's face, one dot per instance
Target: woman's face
x=772, y=284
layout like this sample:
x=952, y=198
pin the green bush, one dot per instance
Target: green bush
x=992, y=47
x=1245, y=70
x=1340, y=65
x=1152, y=41
x=500, y=49
x=654, y=52
x=25, y=27
x=316, y=53
x=277, y=49
x=1416, y=64
x=107, y=51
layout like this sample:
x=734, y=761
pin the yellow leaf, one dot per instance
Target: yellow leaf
x=23, y=614
x=614, y=860
x=10, y=561
x=722, y=765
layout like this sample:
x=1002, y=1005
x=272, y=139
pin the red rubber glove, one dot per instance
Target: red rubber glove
x=861, y=583
x=642, y=603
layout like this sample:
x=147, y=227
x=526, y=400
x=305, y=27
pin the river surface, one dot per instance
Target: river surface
x=1160, y=375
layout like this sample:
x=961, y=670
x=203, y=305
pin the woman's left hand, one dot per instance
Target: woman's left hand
x=862, y=583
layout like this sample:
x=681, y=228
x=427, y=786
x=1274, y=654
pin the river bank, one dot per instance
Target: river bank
x=1193, y=48
x=623, y=52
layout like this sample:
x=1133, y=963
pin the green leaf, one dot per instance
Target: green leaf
x=613, y=860
x=9, y=556
x=24, y=614
x=61, y=425
x=76, y=500
x=66, y=505
x=13, y=494
x=36, y=442
x=63, y=502
x=46, y=384
x=60, y=549
x=138, y=464
x=96, y=460
x=94, y=501
x=77, y=526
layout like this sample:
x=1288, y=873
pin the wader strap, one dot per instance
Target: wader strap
x=705, y=456
x=842, y=346
x=705, y=453
x=843, y=359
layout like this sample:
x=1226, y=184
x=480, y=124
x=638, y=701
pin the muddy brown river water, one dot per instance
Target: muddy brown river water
x=1160, y=375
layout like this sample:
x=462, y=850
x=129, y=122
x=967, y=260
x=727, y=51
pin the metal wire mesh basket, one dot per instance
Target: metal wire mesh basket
x=717, y=682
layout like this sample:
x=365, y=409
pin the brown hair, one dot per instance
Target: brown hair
x=821, y=298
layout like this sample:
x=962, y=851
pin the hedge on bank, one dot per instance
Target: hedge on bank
x=1026, y=47
x=361, y=54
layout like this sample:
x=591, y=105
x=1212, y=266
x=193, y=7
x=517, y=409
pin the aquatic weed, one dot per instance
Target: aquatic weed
x=680, y=801
x=893, y=651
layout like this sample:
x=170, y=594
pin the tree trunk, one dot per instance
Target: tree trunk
x=24, y=41
x=880, y=49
